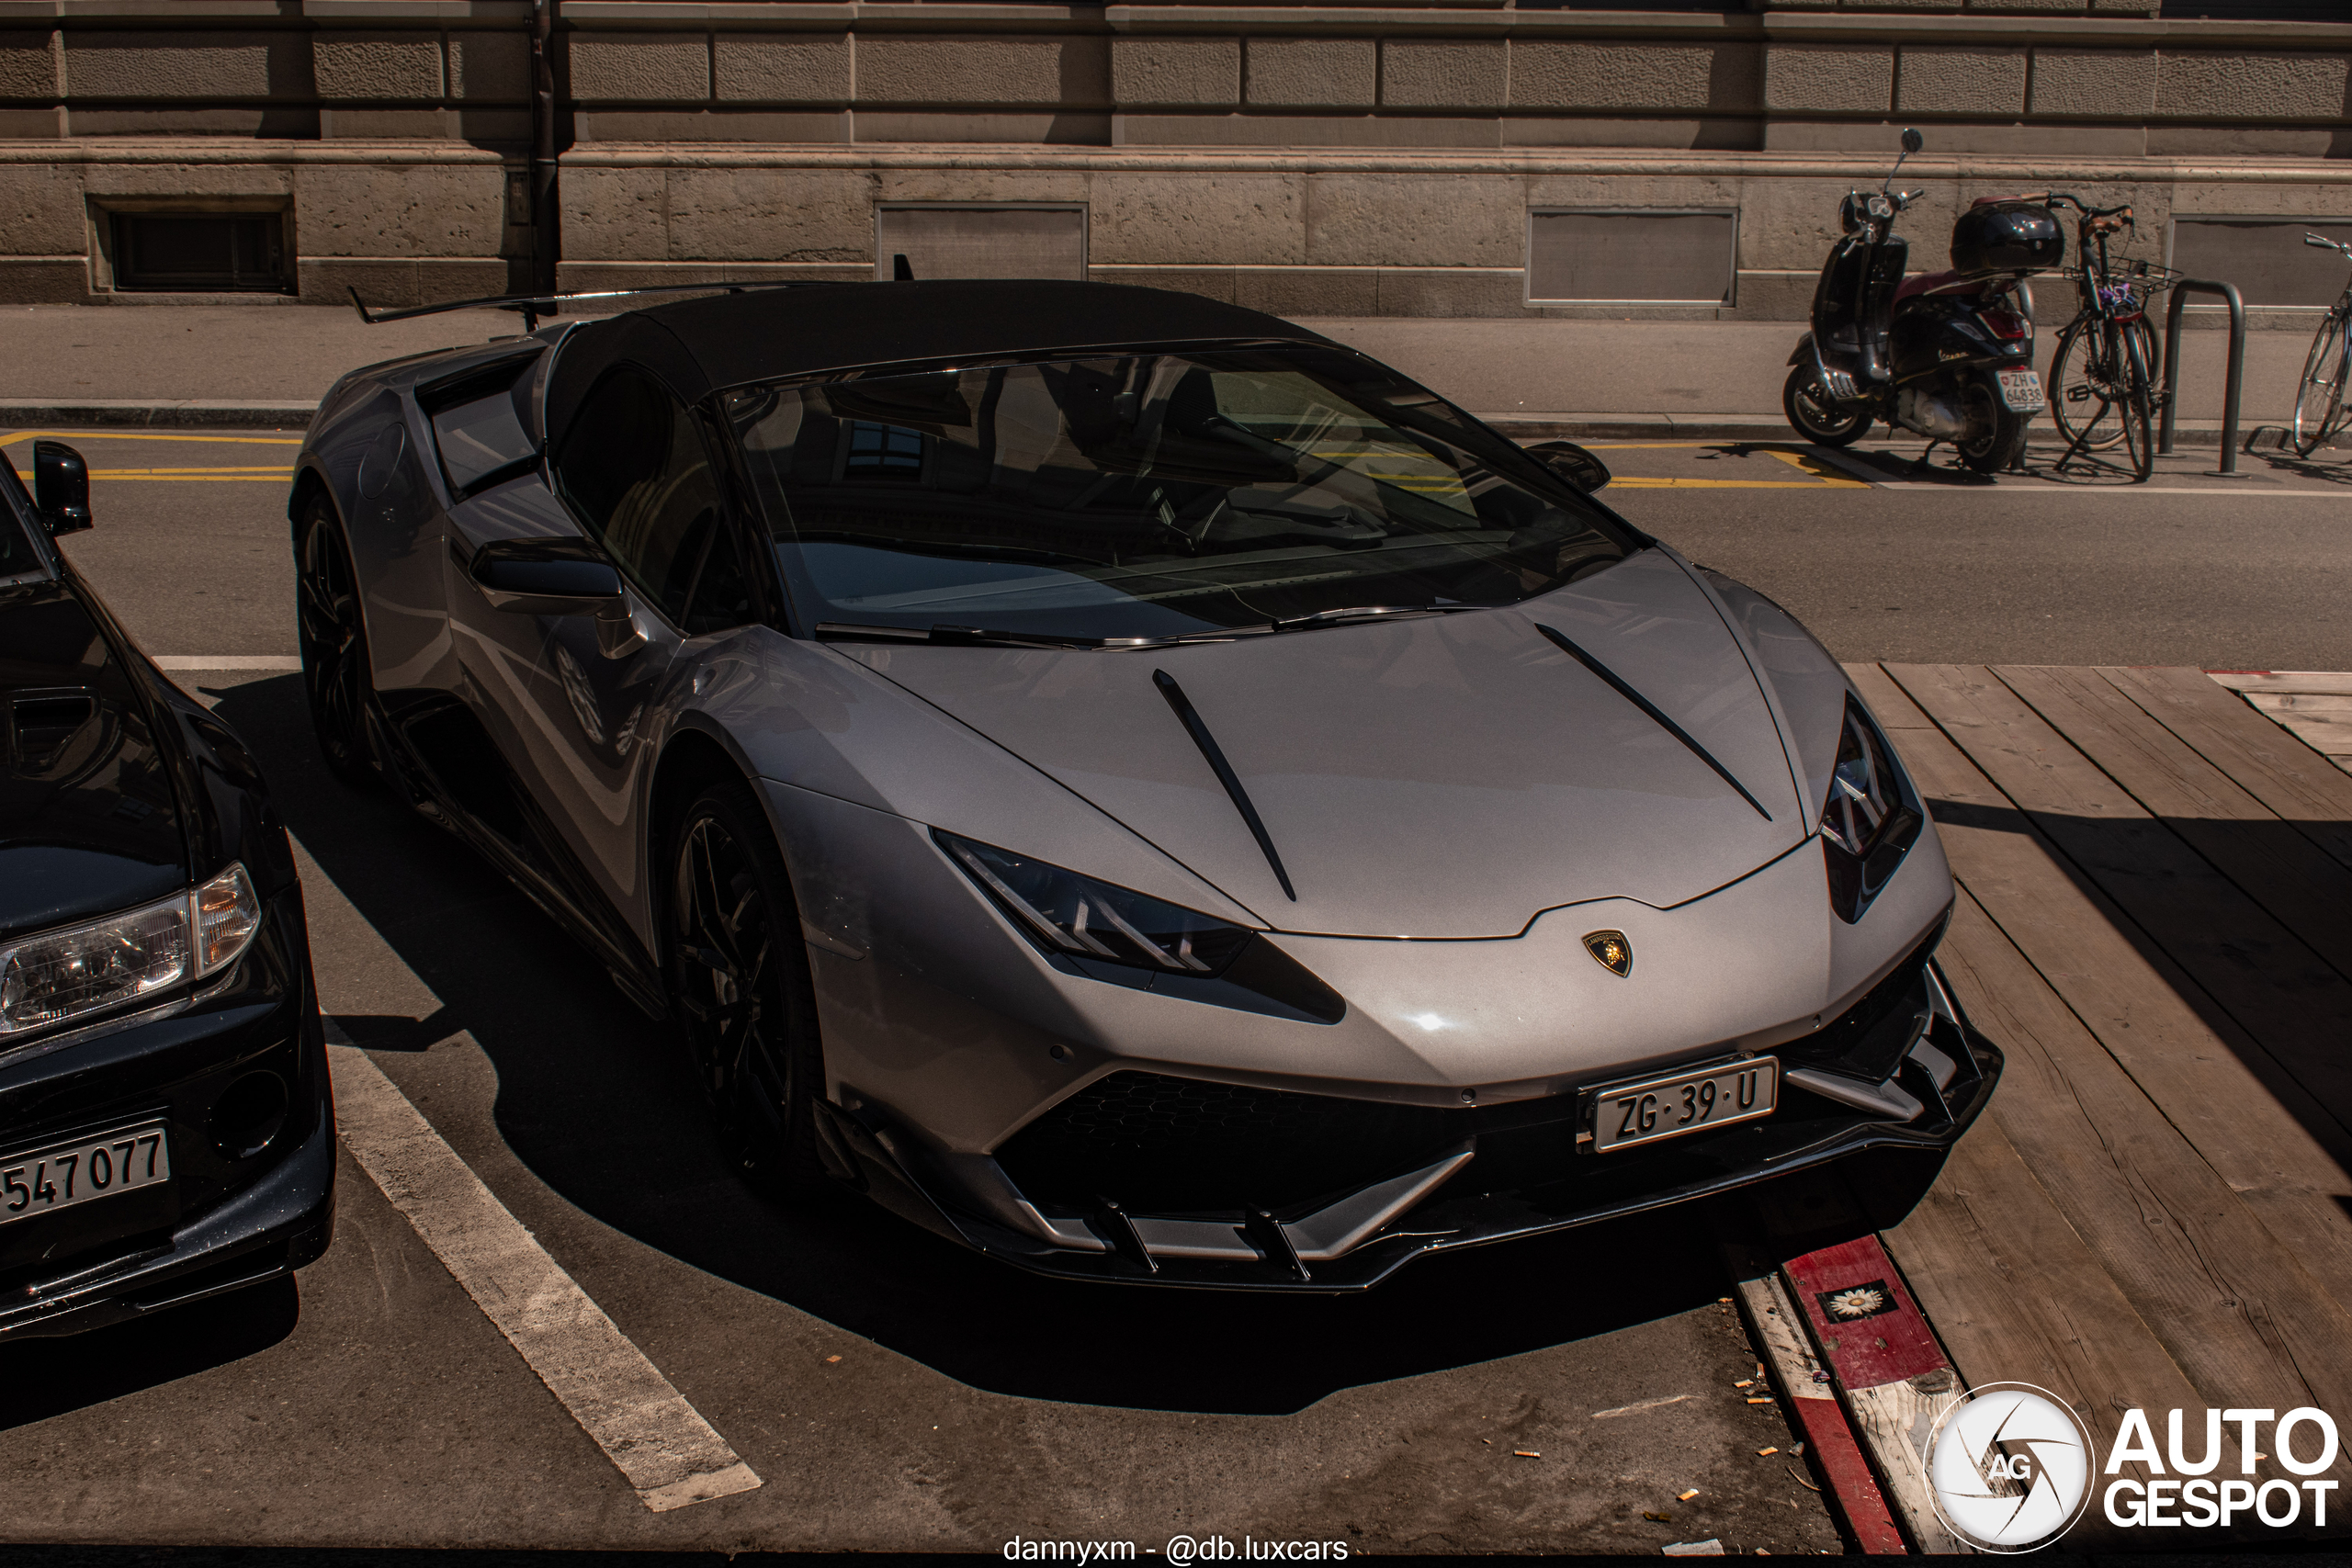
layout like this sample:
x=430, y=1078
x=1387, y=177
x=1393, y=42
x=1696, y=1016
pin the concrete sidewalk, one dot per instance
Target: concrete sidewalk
x=253, y=365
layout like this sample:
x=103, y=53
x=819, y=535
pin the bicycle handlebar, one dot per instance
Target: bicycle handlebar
x=2324, y=243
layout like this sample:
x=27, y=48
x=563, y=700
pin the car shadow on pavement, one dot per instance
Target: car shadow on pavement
x=599, y=1104
x=37, y=1381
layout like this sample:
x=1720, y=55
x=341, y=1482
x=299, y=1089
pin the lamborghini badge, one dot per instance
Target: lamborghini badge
x=1610, y=951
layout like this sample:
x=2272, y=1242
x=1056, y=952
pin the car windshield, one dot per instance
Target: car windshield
x=1150, y=495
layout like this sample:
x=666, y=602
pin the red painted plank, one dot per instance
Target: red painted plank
x=1855, y=1489
x=1866, y=1323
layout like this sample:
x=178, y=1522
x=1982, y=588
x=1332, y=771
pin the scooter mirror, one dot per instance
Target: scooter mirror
x=1913, y=141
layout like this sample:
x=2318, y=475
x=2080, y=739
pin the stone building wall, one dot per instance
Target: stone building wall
x=1312, y=160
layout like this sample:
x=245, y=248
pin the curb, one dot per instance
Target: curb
x=1749, y=428
x=181, y=413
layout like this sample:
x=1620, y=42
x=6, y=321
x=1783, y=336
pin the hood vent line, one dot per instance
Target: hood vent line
x=1643, y=703
x=1191, y=719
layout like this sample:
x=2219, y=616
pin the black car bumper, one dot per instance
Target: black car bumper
x=1526, y=1178
x=237, y=1078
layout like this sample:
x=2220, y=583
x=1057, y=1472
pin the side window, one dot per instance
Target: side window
x=722, y=596
x=636, y=471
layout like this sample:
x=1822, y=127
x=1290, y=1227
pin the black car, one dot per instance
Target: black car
x=165, y=1132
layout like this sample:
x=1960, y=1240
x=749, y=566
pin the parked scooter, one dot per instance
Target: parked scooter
x=1947, y=355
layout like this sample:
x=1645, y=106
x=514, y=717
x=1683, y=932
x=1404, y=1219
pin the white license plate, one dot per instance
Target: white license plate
x=42, y=1181
x=2021, y=390
x=1644, y=1112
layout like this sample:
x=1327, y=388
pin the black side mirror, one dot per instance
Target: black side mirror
x=61, y=488
x=1572, y=463
x=544, y=577
x=1913, y=141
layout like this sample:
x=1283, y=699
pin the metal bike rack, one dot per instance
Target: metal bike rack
x=2228, y=292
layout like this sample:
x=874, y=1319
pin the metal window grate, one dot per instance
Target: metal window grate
x=2265, y=258
x=1683, y=256
x=240, y=252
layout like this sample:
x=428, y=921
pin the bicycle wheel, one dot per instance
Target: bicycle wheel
x=2086, y=376
x=2135, y=404
x=2319, y=401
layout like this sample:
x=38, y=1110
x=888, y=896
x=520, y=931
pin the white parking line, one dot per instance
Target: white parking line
x=228, y=661
x=661, y=1444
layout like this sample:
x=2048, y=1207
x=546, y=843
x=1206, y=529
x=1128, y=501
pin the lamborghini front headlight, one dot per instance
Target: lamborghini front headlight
x=1869, y=819
x=1077, y=915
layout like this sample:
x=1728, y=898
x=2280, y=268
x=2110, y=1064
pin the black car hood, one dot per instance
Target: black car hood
x=89, y=820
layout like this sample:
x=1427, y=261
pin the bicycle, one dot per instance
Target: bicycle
x=2107, y=353
x=2319, y=401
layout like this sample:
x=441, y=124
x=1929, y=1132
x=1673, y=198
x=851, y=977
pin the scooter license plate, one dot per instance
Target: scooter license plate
x=2021, y=390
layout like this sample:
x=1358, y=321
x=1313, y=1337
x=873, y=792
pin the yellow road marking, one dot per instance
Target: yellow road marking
x=1637, y=481
x=1815, y=466
x=13, y=437
x=193, y=476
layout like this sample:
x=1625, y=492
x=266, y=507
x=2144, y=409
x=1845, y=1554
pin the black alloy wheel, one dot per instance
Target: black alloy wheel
x=1996, y=433
x=739, y=979
x=1820, y=419
x=334, y=644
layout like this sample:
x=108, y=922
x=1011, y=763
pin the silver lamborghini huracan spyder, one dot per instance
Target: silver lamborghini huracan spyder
x=1131, y=784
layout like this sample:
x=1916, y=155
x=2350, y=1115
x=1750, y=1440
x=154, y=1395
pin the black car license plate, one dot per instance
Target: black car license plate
x=84, y=1170
x=1647, y=1110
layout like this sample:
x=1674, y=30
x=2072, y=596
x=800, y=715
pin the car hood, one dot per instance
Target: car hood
x=89, y=822
x=1440, y=777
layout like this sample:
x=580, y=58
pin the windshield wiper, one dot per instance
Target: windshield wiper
x=944, y=636
x=951, y=637
x=1371, y=613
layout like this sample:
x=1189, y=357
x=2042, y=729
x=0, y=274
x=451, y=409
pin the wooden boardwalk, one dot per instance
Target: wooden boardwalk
x=2154, y=923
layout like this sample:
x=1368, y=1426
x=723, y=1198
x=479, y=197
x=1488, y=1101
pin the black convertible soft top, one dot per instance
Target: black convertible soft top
x=702, y=345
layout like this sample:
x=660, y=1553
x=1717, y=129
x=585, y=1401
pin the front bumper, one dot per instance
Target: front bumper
x=230, y=1217
x=1511, y=1170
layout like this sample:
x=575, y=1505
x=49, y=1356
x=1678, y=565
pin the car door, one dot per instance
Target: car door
x=577, y=694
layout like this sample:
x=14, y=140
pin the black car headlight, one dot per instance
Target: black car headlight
x=83, y=969
x=1871, y=819
x=1077, y=915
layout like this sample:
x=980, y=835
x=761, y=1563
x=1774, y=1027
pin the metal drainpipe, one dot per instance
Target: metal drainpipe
x=543, y=208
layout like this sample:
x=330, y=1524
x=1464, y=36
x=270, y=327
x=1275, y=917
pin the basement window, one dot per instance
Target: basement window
x=1685, y=256
x=199, y=252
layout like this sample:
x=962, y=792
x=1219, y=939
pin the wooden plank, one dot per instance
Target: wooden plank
x=2334, y=706
x=2330, y=735
x=2283, y=679
x=1893, y=708
x=2268, y=763
x=2195, y=1179
x=2309, y=891
x=1778, y=1328
x=2013, y=1292
x=2263, y=978
x=1893, y=1371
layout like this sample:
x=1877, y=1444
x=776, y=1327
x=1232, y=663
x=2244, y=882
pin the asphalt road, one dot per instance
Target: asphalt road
x=890, y=1392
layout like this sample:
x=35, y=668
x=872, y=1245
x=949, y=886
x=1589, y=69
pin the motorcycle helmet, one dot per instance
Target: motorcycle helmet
x=2007, y=236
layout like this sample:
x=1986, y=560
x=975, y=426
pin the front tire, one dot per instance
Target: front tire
x=334, y=638
x=739, y=980
x=1813, y=415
